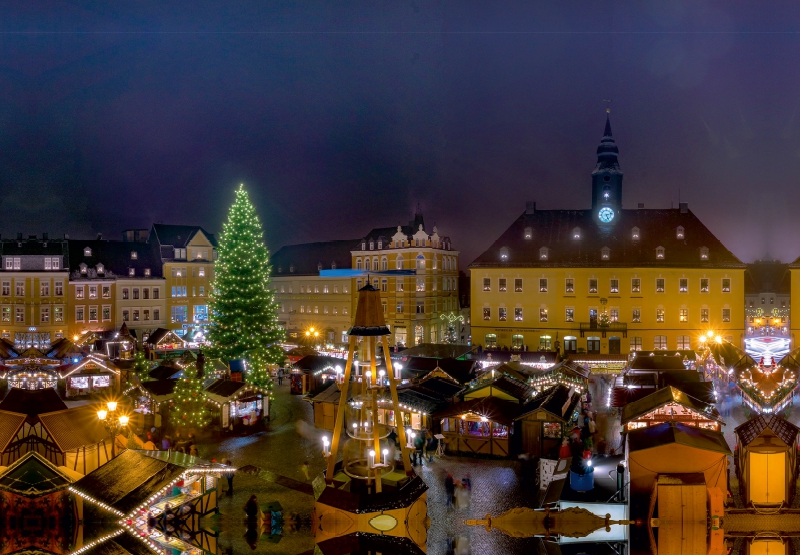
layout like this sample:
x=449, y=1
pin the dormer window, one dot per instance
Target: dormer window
x=333, y=265
x=132, y=272
x=372, y=245
x=100, y=269
x=543, y=253
x=87, y=252
x=504, y=254
x=291, y=269
x=319, y=266
x=703, y=253
x=576, y=233
x=380, y=245
x=679, y=232
x=134, y=255
x=83, y=268
x=363, y=245
x=147, y=273
x=660, y=253
x=528, y=233
x=605, y=253
x=635, y=234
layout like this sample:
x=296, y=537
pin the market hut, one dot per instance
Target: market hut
x=669, y=404
x=675, y=448
x=92, y=375
x=136, y=482
x=164, y=340
x=544, y=420
x=75, y=438
x=151, y=400
x=165, y=372
x=311, y=373
x=478, y=426
x=567, y=373
x=766, y=459
x=237, y=405
x=500, y=386
x=23, y=431
x=459, y=371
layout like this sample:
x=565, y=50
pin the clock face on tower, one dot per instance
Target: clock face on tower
x=605, y=214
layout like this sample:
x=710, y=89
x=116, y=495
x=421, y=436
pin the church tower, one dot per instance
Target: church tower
x=607, y=180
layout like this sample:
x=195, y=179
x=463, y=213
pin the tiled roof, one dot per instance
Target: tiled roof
x=305, y=259
x=73, y=428
x=177, y=236
x=34, y=246
x=439, y=386
x=115, y=256
x=10, y=423
x=673, y=432
x=159, y=388
x=554, y=229
x=32, y=402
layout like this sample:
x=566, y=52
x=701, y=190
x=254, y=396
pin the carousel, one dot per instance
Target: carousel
x=369, y=493
x=32, y=372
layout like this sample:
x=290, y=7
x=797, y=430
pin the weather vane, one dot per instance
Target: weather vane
x=608, y=106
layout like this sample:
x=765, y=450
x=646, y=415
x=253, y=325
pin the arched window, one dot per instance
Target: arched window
x=384, y=264
x=375, y=264
x=399, y=262
x=358, y=263
x=420, y=261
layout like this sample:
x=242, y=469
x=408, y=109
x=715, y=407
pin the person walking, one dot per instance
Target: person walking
x=433, y=444
x=229, y=476
x=305, y=470
x=251, y=509
x=280, y=376
x=419, y=443
x=449, y=489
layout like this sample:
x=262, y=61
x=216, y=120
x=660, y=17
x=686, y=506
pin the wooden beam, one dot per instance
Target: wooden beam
x=401, y=430
x=340, y=411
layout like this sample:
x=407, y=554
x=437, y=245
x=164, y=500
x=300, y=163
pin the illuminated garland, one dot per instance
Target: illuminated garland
x=94, y=501
x=242, y=309
x=190, y=398
x=98, y=541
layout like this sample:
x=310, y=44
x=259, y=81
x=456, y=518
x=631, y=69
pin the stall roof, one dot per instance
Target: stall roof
x=124, y=544
x=750, y=430
x=315, y=363
x=162, y=333
x=32, y=402
x=160, y=390
x=439, y=386
x=7, y=349
x=461, y=371
x=492, y=408
x=526, y=357
x=556, y=400
x=73, y=428
x=515, y=388
x=729, y=355
x=657, y=362
x=666, y=395
x=675, y=432
x=222, y=391
x=434, y=350
x=420, y=399
x=165, y=372
x=33, y=475
x=10, y=423
x=62, y=348
x=330, y=394
x=92, y=358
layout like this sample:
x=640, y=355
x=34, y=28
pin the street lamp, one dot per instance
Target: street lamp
x=112, y=424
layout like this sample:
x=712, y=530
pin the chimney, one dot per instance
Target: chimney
x=641, y=206
x=530, y=207
x=44, y=236
x=683, y=207
x=99, y=236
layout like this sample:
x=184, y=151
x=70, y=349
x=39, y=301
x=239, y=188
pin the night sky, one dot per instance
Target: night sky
x=342, y=116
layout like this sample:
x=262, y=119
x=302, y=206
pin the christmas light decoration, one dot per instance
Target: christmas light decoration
x=450, y=335
x=243, y=312
x=189, y=400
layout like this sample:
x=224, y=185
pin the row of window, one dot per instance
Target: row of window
x=683, y=343
x=200, y=271
x=19, y=288
x=613, y=314
x=91, y=291
x=448, y=263
x=325, y=288
x=447, y=304
x=417, y=242
x=45, y=312
x=605, y=253
x=140, y=314
x=613, y=286
x=15, y=263
x=181, y=291
x=307, y=309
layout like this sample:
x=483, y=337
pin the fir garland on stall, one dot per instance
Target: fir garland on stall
x=189, y=399
x=243, y=313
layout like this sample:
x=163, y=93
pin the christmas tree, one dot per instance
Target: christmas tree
x=243, y=313
x=450, y=335
x=189, y=399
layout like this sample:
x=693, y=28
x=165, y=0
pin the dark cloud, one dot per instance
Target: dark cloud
x=343, y=116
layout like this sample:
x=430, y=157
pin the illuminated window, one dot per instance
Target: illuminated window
x=636, y=343
x=576, y=233
x=518, y=285
x=542, y=314
x=659, y=285
x=636, y=315
x=487, y=313
x=660, y=343
x=592, y=285
x=502, y=314
x=660, y=315
x=543, y=253
x=518, y=315
x=704, y=315
x=501, y=285
x=605, y=253
x=660, y=253
x=726, y=314
x=704, y=285
x=542, y=285
x=636, y=285
x=679, y=233
x=504, y=254
x=614, y=287
x=87, y=252
x=683, y=285
x=569, y=285
x=569, y=315
x=528, y=233
x=683, y=314
x=726, y=285
x=635, y=236
x=703, y=253
x=613, y=314
x=487, y=284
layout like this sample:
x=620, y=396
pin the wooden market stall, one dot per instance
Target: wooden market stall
x=95, y=374
x=237, y=405
x=460, y=371
x=546, y=419
x=312, y=373
x=675, y=448
x=478, y=426
x=670, y=404
x=500, y=386
x=163, y=340
x=151, y=403
x=75, y=438
x=766, y=460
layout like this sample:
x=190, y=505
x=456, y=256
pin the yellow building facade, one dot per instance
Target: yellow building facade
x=606, y=280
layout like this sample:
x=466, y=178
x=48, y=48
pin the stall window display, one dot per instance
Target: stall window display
x=79, y=382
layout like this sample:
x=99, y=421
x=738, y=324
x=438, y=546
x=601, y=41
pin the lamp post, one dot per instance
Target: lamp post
x=112, y=423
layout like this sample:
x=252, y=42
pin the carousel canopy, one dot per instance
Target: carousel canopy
x=750, y=430
x=33, y=475
x=559, y=400
x=75, y=427
x=32, y=402
x=664, y=396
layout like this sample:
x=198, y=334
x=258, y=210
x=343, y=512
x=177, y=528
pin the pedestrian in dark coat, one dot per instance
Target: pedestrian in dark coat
x=229, y=476
x=450, y=490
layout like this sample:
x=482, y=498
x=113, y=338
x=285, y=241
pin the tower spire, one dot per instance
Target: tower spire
x=607, y=151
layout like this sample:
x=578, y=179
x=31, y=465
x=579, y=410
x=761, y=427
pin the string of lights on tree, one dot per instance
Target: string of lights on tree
x=190, y=398
x=243, y=313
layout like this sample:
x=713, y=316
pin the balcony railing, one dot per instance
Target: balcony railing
x=595, y=327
